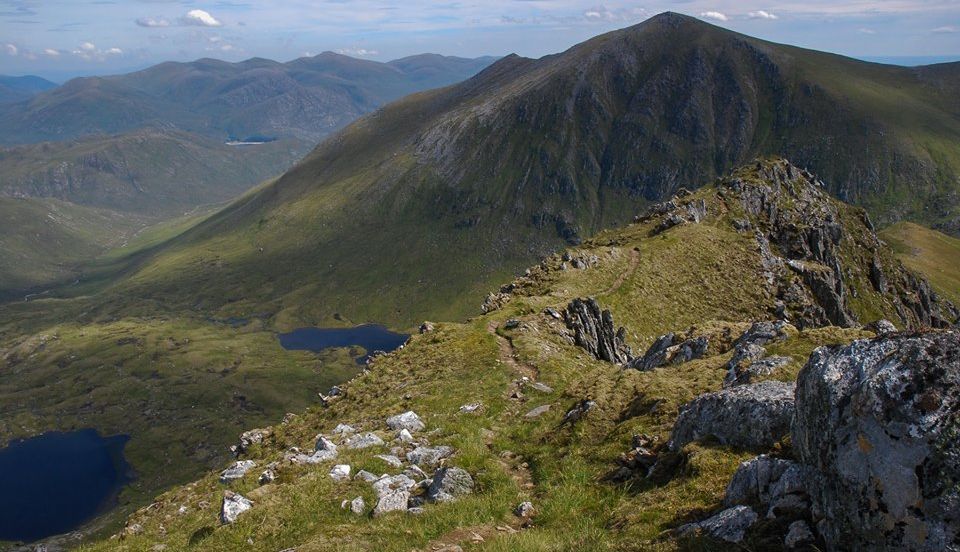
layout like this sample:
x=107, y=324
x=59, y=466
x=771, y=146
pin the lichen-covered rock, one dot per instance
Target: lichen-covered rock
x=881, y=327
x=340, y=472
x=594, y=331
x=249, y=439
x=730, y=525
x=878, y=422
x=753, y=416
x=428, y=456
x=393, y=501
x=753, y=480
x=408, y=420
x=237, y=470
x=325, y=444
x=763, y=332
x=744, y=373
x=364, y=440
x=449, y=483
x=233, y=505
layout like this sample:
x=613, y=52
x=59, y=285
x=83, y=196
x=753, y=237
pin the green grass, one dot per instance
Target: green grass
x=933, y=254
x=652, y=285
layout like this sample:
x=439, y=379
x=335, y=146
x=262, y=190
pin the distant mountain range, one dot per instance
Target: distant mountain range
x=16, y=89
x=306, y=99
x=412, y=211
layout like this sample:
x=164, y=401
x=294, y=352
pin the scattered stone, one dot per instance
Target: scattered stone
x=881, y=327
x=511, y=324
x=233, y=505
x=364, y=440
x=390, y=459
x=471, y=408
x=408, y=420
x=640, y=458
x=798, y=534
x=344, y=429
x=752, y=416
x=729, y=525
x=524, y=510
x=249, y=439
x=877, y=422
x=237, y=471
x=404, y=436
x=537, y=412
x=325, y=444
x=553, y=313
x=541, y=387
x=594, y=331
x=449, y=484
x=392, y=501
x=389, y=483
x=416, y=511
x=340, y=472
x=426, y=327
x=428, y=456
x=364, y=475
x=577, y=413
x=318, y=457
x=414, y=472
x=268, y=476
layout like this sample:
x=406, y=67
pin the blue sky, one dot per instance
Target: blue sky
x=60, y=38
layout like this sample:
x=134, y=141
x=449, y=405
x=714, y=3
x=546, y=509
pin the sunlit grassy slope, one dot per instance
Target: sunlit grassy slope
x=931, y=253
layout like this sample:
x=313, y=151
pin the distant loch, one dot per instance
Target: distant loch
x=55, y=482
x=371, y=337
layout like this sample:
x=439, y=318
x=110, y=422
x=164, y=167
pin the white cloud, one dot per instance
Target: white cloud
x=761, y=14
x=11, y=49
x=51, y=52
x=864, y=30
x=714, y=15
x=200, y=18
x=152, y=22
x=948, y=29
x=89, y=51
x=357, y=52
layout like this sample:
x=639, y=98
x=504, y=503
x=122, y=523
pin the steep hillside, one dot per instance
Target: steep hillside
x=306, y=99
x=43, y=241
x=16, y=89
x=413, y=210
x=928, y=252
x=152, y=172
x=530, y=411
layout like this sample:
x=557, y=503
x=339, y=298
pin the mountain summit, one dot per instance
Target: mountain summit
x=477, y=180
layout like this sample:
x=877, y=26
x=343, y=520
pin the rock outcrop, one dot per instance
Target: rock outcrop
x=878, y=422
x=752, y=416
x=670, y=349
x=730, y=525
x=449, y=484
x=594, y=331
x=811, y=250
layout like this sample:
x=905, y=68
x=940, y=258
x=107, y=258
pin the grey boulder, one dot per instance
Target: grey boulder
x=449, y=484
x=751, y=416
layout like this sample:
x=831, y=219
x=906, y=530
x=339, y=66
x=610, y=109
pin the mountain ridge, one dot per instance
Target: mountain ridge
x=479, y=179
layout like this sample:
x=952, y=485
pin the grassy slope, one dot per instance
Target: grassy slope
x=652, y=285
x=42, y=241
x=152, y=172
x=928, y=252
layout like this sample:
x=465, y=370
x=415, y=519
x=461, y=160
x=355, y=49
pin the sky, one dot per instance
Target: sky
x=64, y=38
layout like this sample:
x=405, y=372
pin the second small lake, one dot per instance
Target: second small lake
x=371, y=337
x=56, y=482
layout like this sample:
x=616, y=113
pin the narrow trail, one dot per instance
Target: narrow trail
x=631, y=269
x=508, y=354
